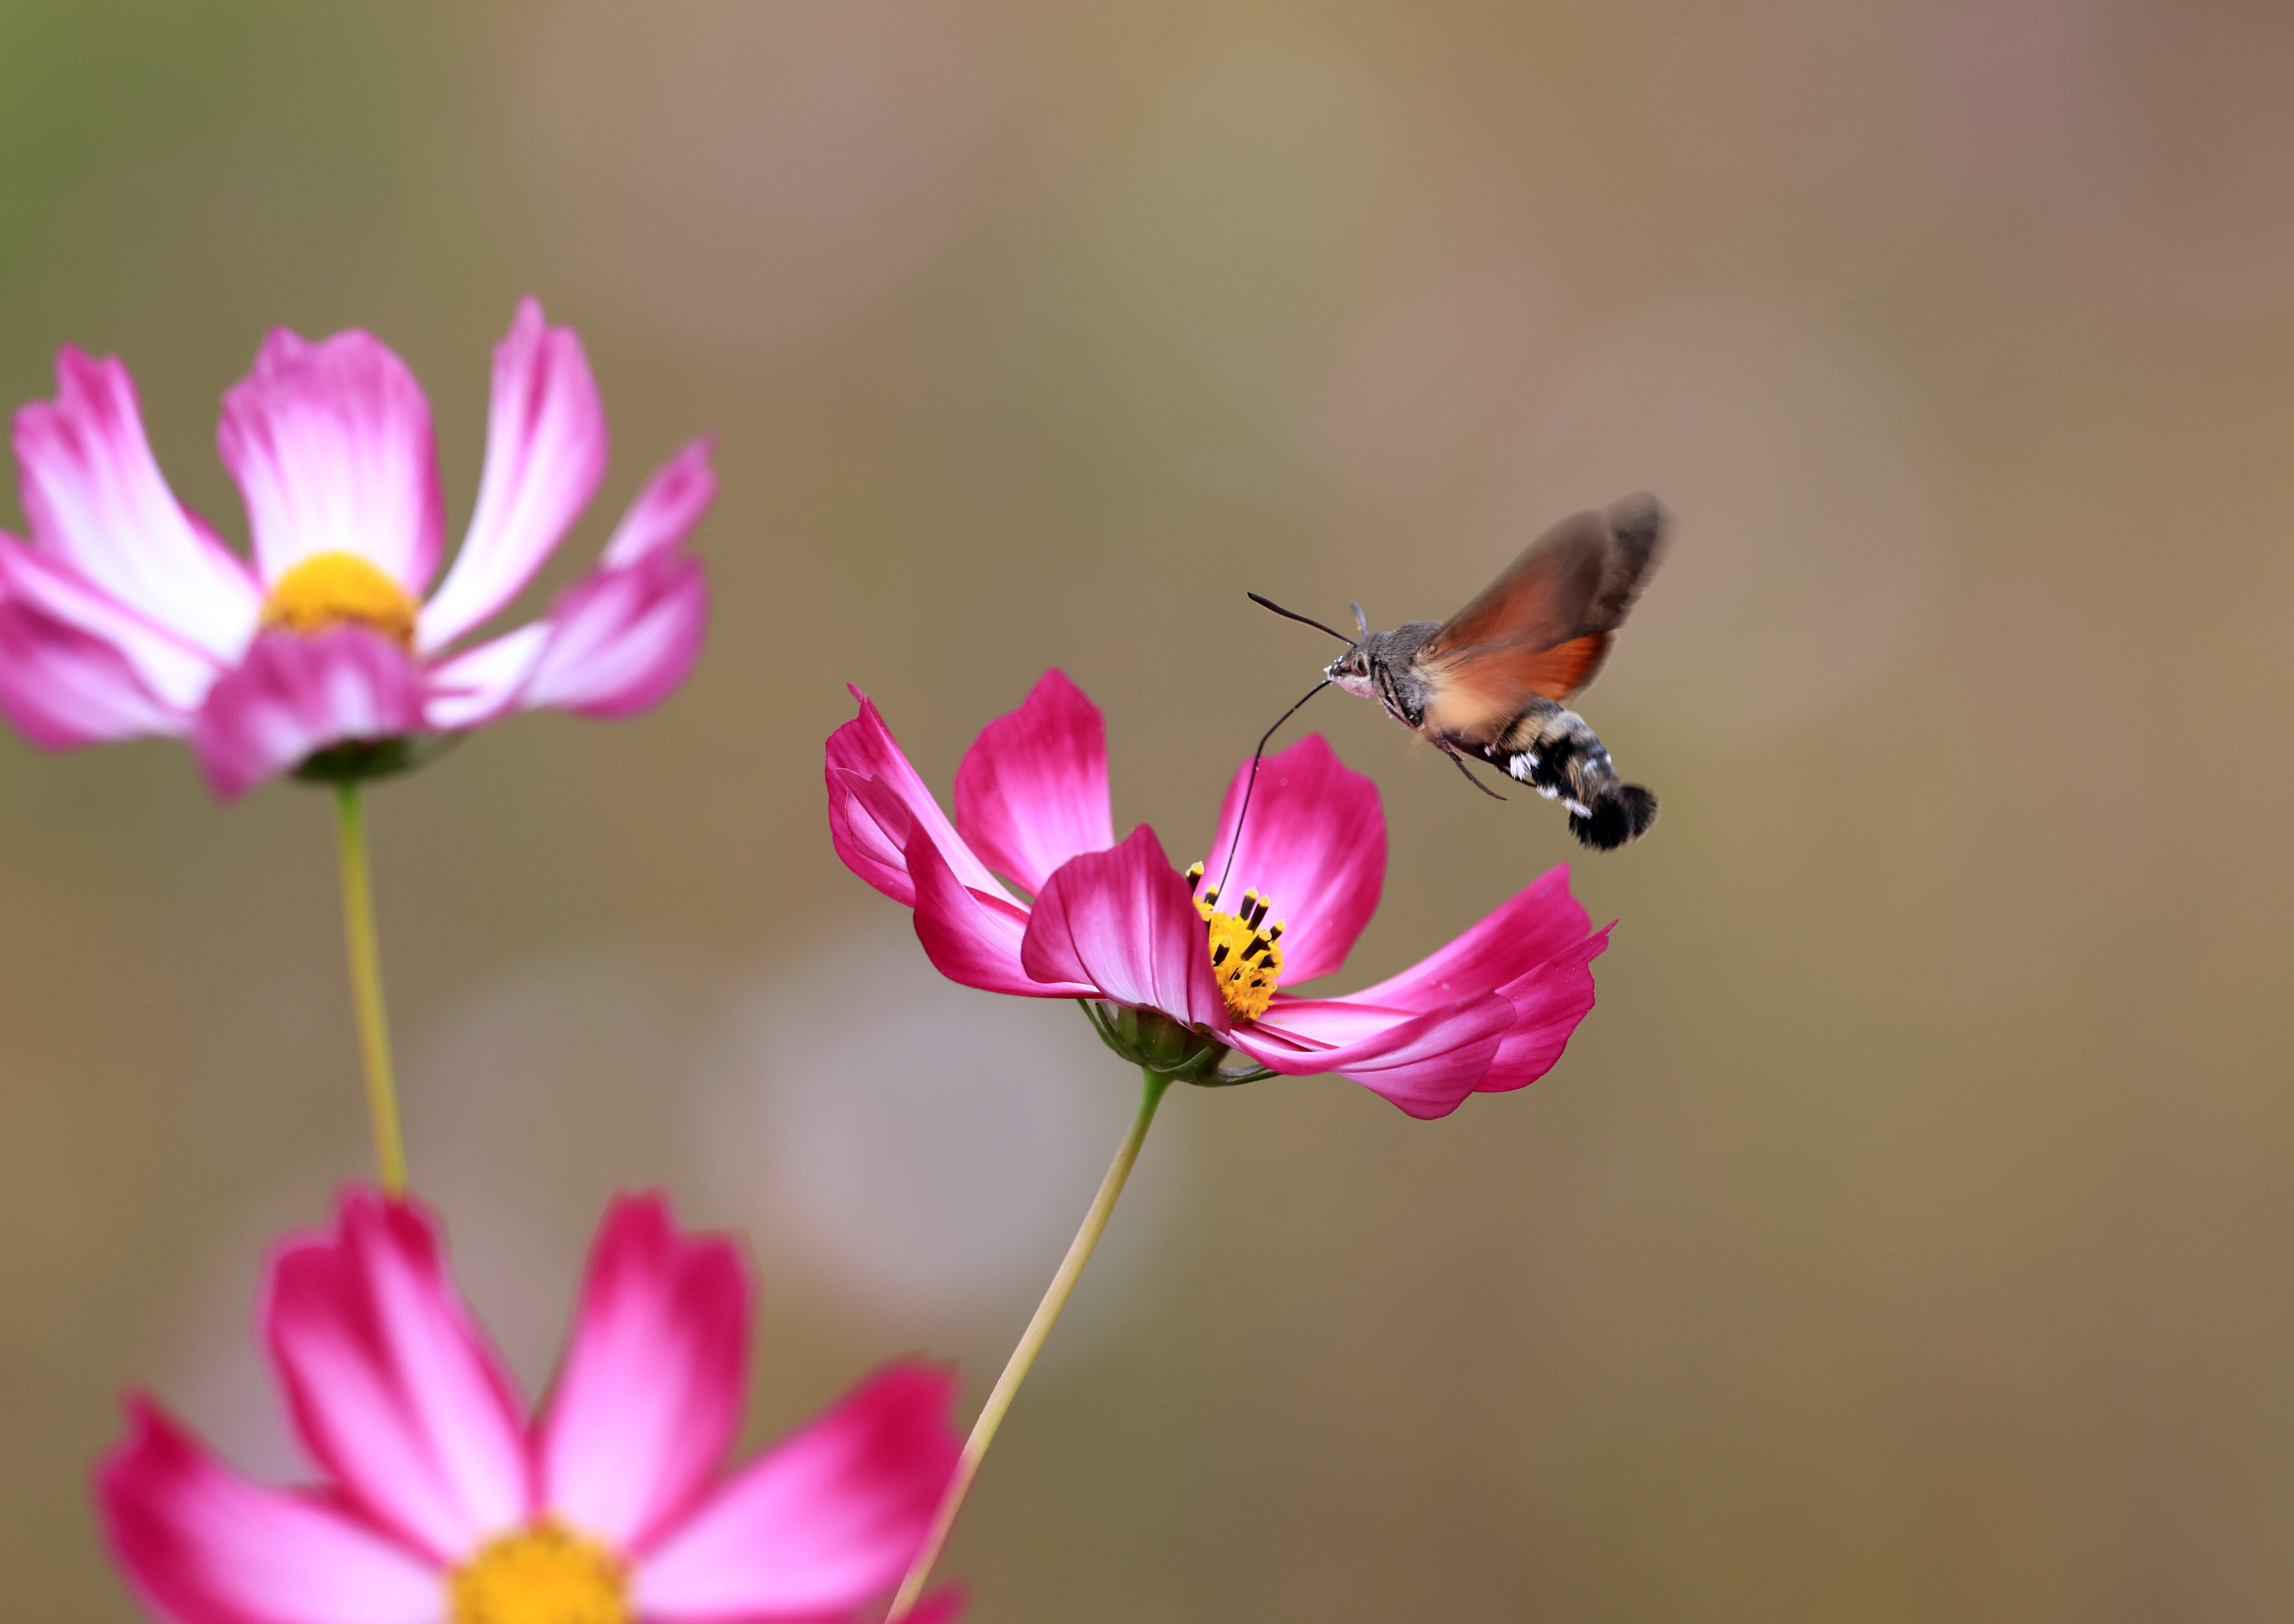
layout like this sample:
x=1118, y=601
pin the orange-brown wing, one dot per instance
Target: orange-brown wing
x=1544, y=599
x=1544, y=626
x=1478, y=691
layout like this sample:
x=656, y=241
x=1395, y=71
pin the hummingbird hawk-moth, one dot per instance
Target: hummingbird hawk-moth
x=1491, y=681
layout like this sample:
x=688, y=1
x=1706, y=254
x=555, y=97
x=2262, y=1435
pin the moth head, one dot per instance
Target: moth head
x=1352, y=670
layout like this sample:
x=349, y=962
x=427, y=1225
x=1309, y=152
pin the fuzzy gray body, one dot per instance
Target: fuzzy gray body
x=1545, y=744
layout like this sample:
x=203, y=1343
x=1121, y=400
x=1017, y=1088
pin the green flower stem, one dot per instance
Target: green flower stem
x=366, y=988
x=1032, y=1342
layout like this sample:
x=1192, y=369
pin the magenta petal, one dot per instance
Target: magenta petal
x=1123, y=921
x=649, y=1398
x=545, y=451
x=96, y=499
x=972, y=936
x=621, y=641
x=1425, y=1064
x=871, y=845
x=202, y=1545
x=1315, y=845
x=1539, y=921
x=1032, y=790
x=667, y=510
x=61, y=687
x=392, y=1386
x=331, y=445
x=296, y=694
x=825, y=1520
x=1548, y=1003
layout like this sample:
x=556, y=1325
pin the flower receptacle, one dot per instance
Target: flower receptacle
x=1150, y=1039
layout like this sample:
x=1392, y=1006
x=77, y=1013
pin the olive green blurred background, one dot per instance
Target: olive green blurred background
x=1905, y=1235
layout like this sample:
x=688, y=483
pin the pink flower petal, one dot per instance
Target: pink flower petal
x=545, y=452
x=864, y=749
x=392, y=1387
x=1539, y=921
x=1032, y=790
x=295, y=694
x=649, y=1397
x=1425, y=1064
x=95, y=498
x=1548, y=1003
x=823, y=1522
x=331, y=445
x=621, y=640
x=1122, y=920
x=667, y=510
x=177, y=671
x=61, y=687
x=1315, y=845
x=483, y=683
x=203, y=1546
x=972, y=936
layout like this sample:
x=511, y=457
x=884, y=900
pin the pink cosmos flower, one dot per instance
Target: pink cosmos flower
x=443, y=1506
x=1119, y=924
x=125, y=615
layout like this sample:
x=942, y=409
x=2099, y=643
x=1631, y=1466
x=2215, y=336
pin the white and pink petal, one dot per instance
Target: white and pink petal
x=545, y=452
x=95, y=498
x=61, y=687
x=823, y=1521
x=621, y=641
x=392, y=1386
x=295, y=694
x=648, y=1400
x=667, y=510
x=330, y=444
x=203, y=1546
x=973, y=937
x=179, y=672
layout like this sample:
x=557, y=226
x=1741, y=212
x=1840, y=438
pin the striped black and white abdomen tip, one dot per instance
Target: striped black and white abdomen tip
x=1622, y=815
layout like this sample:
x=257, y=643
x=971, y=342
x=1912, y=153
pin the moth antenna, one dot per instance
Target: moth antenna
x=1304, y=620
x=1362, y=621
x=1244, y=811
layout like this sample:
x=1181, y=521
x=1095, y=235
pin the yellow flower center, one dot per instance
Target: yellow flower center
x=1246, y=951
x=339, y=589
x=541, y=1575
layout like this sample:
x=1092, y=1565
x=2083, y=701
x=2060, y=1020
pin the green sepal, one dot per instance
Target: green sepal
x=1152, y=1040
x=355, y=761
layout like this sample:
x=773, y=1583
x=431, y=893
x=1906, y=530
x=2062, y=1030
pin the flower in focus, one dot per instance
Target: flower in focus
x=126, y=615
x=443, y=1506
x=1117, y=923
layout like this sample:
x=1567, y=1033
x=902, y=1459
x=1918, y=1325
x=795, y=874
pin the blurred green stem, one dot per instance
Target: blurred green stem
x=366, y=988
x=1032, y=1342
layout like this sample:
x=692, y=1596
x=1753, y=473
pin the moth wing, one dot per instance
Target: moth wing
x=1543, y=597
x=1544, y=626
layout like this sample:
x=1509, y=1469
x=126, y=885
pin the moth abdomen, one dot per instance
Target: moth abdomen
x=1552, y=751
x=1624, y=815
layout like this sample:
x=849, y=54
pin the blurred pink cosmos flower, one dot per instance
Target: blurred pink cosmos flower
x=125, y=615
x=443, y=1506
x=1116, y=922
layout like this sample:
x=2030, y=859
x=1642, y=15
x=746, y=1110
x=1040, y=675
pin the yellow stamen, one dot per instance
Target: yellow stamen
x=339, y=589
x=1246, y=951
x=541, y=1575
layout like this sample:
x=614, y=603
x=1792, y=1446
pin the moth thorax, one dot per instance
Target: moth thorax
x=1246, y=951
